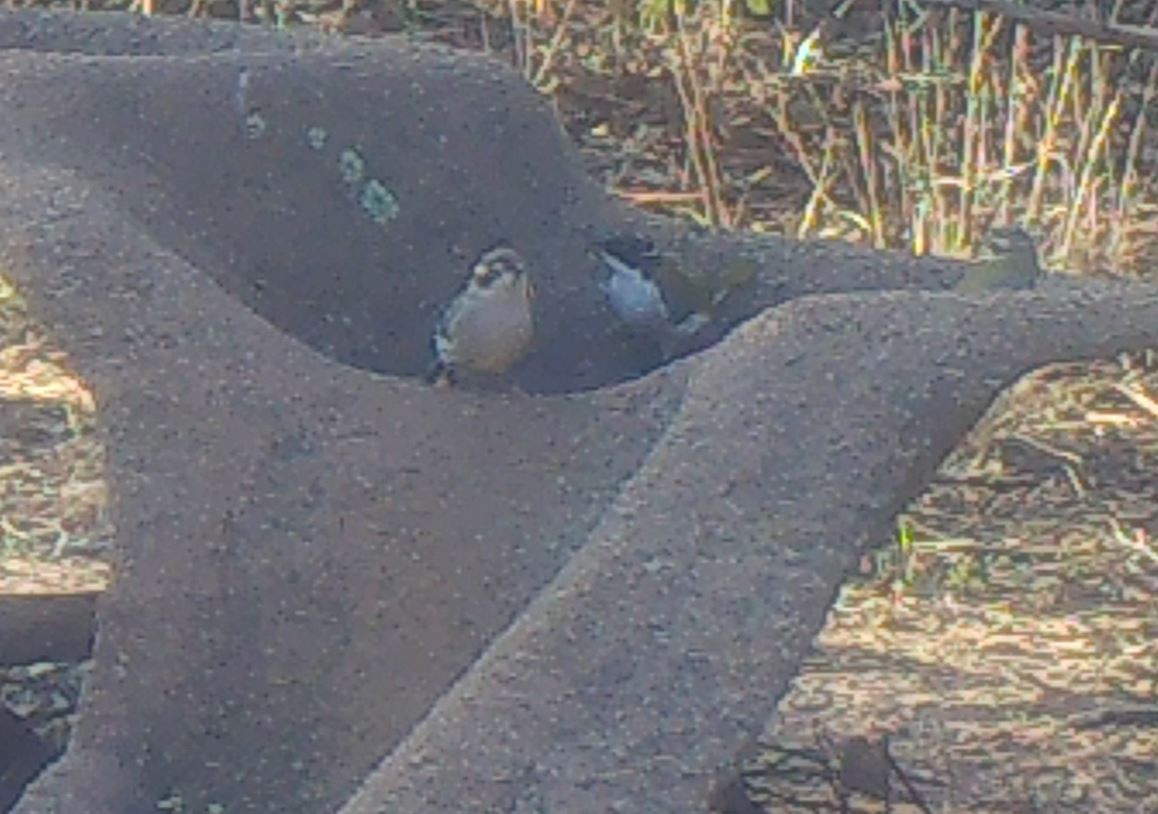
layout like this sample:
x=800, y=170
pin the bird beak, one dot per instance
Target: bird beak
x=618, y=266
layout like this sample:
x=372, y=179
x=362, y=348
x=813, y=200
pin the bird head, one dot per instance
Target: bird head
x=632, y=250
x=501, y=269
x=631, y=290
x=1011, y=263
x=1004, y=241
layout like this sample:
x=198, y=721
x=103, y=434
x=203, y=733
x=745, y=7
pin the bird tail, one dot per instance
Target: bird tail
x=439, y=373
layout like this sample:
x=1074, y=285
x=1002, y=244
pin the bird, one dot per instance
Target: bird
x=489, y=325
x=647, y=291
x=1013, y=263
x=631, y=288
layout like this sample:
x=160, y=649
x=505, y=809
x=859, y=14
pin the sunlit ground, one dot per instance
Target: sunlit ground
x=53, y=528
x=1010, y=654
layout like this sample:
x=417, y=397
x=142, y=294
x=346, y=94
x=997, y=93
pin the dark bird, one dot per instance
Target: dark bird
x=1012, y=263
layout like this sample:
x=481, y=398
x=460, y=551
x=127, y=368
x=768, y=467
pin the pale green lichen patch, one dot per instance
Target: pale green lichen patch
x=351, y=166
x=316, y=137
x=255, y=126
x=378, y=201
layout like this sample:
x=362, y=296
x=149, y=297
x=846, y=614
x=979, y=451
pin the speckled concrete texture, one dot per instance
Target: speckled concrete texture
x=341, y=589
x=798, y=439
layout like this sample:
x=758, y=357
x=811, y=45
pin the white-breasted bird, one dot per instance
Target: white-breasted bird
x=489, y=326
x=639, y=288
x=631, y=288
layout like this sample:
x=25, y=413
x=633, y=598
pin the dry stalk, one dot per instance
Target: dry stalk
x=1064, y=66
x=679, y=71
x=540, y=80
x=960, y=123
x=1085, y=111
x=898, y=53
x=973, y=138
x=524, y=36
x=645, y=197
x=823, y=180
x=1062, y=24
x=866, y=154
x=935, y=60
x=1090, y=161
x=698, y=128
x=1125, y=193
x=1123, y=204
x=1016, y=114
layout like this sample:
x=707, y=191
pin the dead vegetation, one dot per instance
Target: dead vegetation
x=891, y=124
x=1006, y=645
x=52, y=465
x=886, y=122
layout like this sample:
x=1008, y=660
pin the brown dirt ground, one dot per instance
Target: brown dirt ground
x=52, y=487
x=1011, y=656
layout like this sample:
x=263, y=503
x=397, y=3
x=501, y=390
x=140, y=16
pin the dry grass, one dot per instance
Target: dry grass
x=893, y=128
x=1022, y=606
x=52, y=465
x=888, y=124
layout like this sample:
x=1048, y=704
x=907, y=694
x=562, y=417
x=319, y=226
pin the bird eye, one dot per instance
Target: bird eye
x=485, y=274
x=497, y=265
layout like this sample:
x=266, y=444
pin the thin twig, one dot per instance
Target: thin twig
x=1142, y=400
x=1138, y=543
x=553, y=47
x=1048, y=22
